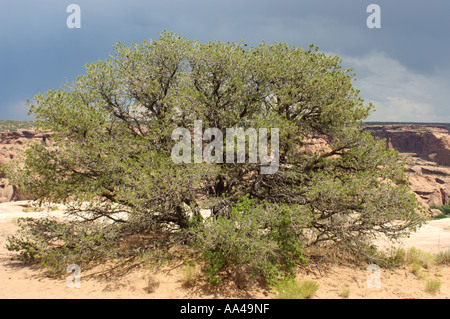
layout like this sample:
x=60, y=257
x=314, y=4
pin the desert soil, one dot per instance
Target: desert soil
x=18, y=280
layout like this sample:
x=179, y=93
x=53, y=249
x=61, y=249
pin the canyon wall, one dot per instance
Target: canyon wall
x=426, y=149
x=429, y=142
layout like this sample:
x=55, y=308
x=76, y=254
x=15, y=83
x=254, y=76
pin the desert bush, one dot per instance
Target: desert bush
x=58, y=244
x=292, y=289
x=258, y=234
x=152, y=284
x=112, y=149
x=415, y=268
x=445, y=209
x=397, y=256
x=443, y=258
x=420, y=257
x=32, y=209
x=190, y=274
x=344, y=292
x=433, y=286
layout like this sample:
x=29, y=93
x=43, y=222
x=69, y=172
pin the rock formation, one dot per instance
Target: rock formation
x=429, y=142
x=426, y=149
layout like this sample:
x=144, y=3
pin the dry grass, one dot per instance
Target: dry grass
x=190, y=274
x=425, y=259
x=345, y=292
x=443, y=258
x=415, y=268
x=152, y=284
x=433, y=286
x=293, y=289
x=32, y=209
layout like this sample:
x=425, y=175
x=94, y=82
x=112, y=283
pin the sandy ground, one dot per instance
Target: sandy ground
x=18, y=280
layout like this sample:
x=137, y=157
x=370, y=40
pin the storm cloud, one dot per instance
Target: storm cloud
x=402, y=67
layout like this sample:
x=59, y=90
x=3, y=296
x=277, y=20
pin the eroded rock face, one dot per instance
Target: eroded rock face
x=426, y=149
x=429, y=189
x=429, y=142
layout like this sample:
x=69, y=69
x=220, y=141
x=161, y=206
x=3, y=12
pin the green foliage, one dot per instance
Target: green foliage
x=292, y=289
x=433, y=286
x=398, y=257
x=445, y=209
x=111, y=157
x=217, y=260
x=258, y=234
x=344, y=292
x=420, y=257
x=56, y=245
x=443, y=258
x=190, y=274
x=415, y=268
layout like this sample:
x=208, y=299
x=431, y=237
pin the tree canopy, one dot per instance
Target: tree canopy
x=112, y=153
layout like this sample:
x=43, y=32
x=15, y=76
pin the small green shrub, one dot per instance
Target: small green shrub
x=440, y=216
x=56, y=245
x=32, y=209
x=433, y=286
x=443, y=258
x=189, y=274
x=345, y=292
x=217, y=260
x=255, y=234
x=425, y=259
x=309, y=288
x=289, y=288
x=415, y=268
x=445, y=209
x=396, y=256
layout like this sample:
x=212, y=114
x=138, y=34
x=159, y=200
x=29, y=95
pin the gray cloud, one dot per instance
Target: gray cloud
x=406, y=56
x=399, y=93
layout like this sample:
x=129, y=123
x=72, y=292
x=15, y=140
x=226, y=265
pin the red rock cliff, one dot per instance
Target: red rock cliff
x=426, y=149
x=430, y=142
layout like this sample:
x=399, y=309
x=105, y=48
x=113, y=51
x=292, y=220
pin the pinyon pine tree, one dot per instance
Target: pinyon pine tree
x=110, y=161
